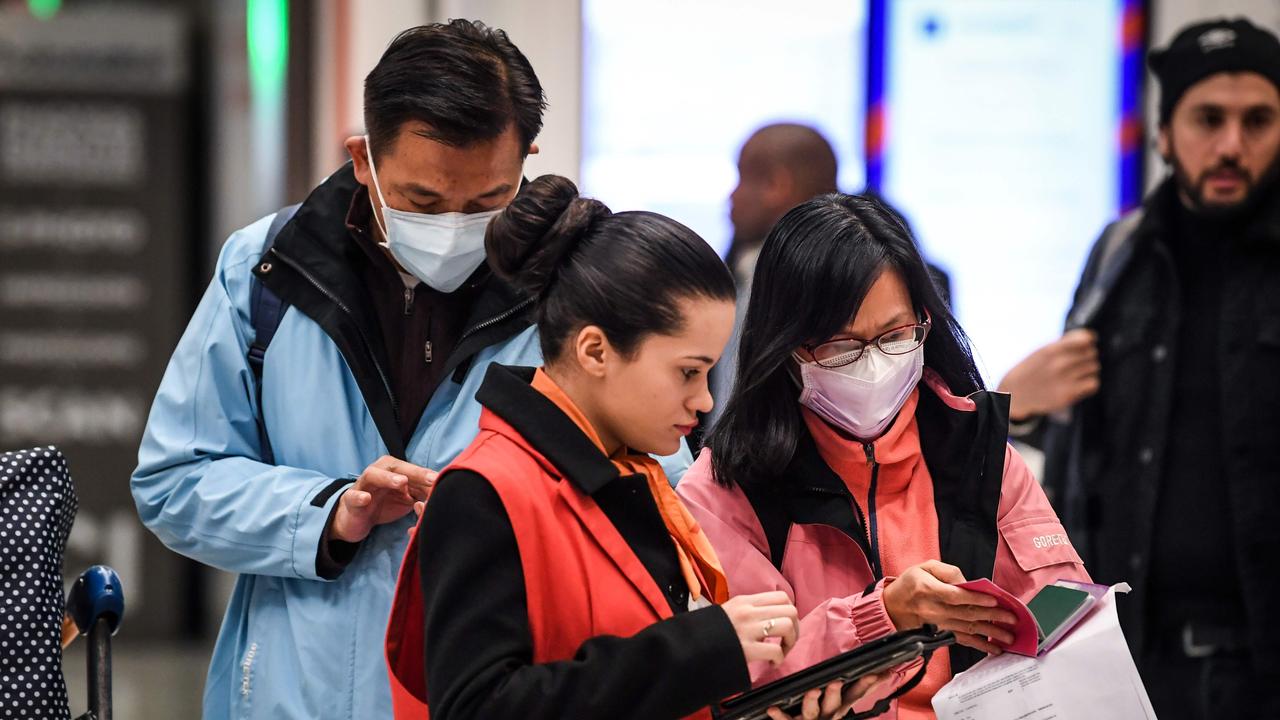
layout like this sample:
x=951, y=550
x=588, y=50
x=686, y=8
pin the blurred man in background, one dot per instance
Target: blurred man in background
x=296, y=465
x=779, y=167
x=1166, y=471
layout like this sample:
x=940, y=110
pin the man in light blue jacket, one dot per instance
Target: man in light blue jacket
x=331, y=369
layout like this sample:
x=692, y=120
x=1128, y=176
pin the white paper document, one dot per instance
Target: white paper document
x=1089, y=674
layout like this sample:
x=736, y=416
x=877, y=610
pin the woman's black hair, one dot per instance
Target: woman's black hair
x=815, y=267
x=625, y=273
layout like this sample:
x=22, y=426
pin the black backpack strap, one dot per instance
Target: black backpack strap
x=265, y=312
x=1113, y=252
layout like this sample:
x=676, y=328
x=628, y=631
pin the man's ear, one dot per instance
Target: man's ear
x=780, y=190
x=358, y=149
x=592, y=351
x=533, y=148
x=1163, y=146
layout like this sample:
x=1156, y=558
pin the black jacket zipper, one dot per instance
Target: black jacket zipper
x=864, y=536
x=495, y=319
x=873, y=534
x=382, y=373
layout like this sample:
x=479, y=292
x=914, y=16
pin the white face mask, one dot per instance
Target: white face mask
x=440, y=250
x=863, y=397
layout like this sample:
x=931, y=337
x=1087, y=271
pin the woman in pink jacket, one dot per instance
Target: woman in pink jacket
x=860, y=465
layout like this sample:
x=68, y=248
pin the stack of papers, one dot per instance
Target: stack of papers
x=1089, y=674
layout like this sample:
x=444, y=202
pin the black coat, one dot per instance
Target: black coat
x=1104, y=467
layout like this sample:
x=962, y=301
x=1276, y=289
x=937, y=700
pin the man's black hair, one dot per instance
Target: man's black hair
x=465, y=81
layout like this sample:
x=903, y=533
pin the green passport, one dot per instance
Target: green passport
x=1056, y=610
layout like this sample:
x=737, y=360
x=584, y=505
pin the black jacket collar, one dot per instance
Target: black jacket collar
x=506, y=391
x=312, y=265
x=809, y=492
x=1262, y=225
x=964, y=451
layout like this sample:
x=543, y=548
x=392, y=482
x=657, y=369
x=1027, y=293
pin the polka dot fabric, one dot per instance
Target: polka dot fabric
x=37, y=506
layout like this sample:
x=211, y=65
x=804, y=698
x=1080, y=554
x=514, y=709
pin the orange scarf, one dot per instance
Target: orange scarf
x=698, y=561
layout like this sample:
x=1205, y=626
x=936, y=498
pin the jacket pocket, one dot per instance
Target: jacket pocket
x=1039, y=542
x=820, y=563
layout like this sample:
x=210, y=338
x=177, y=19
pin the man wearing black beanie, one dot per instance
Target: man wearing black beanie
x=1167, y=473
x=1207, y=71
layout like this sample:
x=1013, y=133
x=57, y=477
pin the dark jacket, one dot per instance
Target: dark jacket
x=312, y=266
x=1104, y=467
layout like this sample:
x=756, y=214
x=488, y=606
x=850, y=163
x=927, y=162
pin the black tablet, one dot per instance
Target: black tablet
x=877, y=656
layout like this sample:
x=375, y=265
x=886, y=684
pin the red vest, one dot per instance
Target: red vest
x=561, y=533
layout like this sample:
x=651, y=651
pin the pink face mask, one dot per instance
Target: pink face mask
x=863, y=397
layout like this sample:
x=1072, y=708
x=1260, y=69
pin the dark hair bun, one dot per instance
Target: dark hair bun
x=535, y=235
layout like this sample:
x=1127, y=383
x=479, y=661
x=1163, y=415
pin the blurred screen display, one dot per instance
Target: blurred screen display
x=96, y=241
x=1001, y=147
x=672, y=89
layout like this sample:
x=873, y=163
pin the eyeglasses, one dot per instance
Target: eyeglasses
x=843, y=351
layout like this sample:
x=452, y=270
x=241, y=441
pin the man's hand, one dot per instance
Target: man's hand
x=385, y=492
x=1054, y=377
x=419, y=507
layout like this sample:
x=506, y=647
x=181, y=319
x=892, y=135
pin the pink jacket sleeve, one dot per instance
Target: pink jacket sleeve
x=827, y=628
x=836, y=625
x=1033, y=549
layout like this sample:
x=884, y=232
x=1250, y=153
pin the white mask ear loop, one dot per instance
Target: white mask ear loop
x=368, y=149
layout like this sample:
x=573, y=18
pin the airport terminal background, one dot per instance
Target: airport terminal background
x=136, y=136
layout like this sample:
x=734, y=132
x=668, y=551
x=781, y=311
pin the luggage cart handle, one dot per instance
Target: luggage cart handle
x=97, y=593
x=96, y=604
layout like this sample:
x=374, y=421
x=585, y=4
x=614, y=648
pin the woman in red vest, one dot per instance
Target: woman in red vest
x=555, y=573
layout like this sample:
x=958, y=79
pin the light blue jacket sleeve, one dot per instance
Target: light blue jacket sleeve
x=200, y=484
x=676, y=465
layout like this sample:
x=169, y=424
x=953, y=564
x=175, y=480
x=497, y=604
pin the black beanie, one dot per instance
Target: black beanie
x=1209, y=48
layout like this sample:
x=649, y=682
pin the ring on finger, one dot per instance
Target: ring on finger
x=766, y=628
